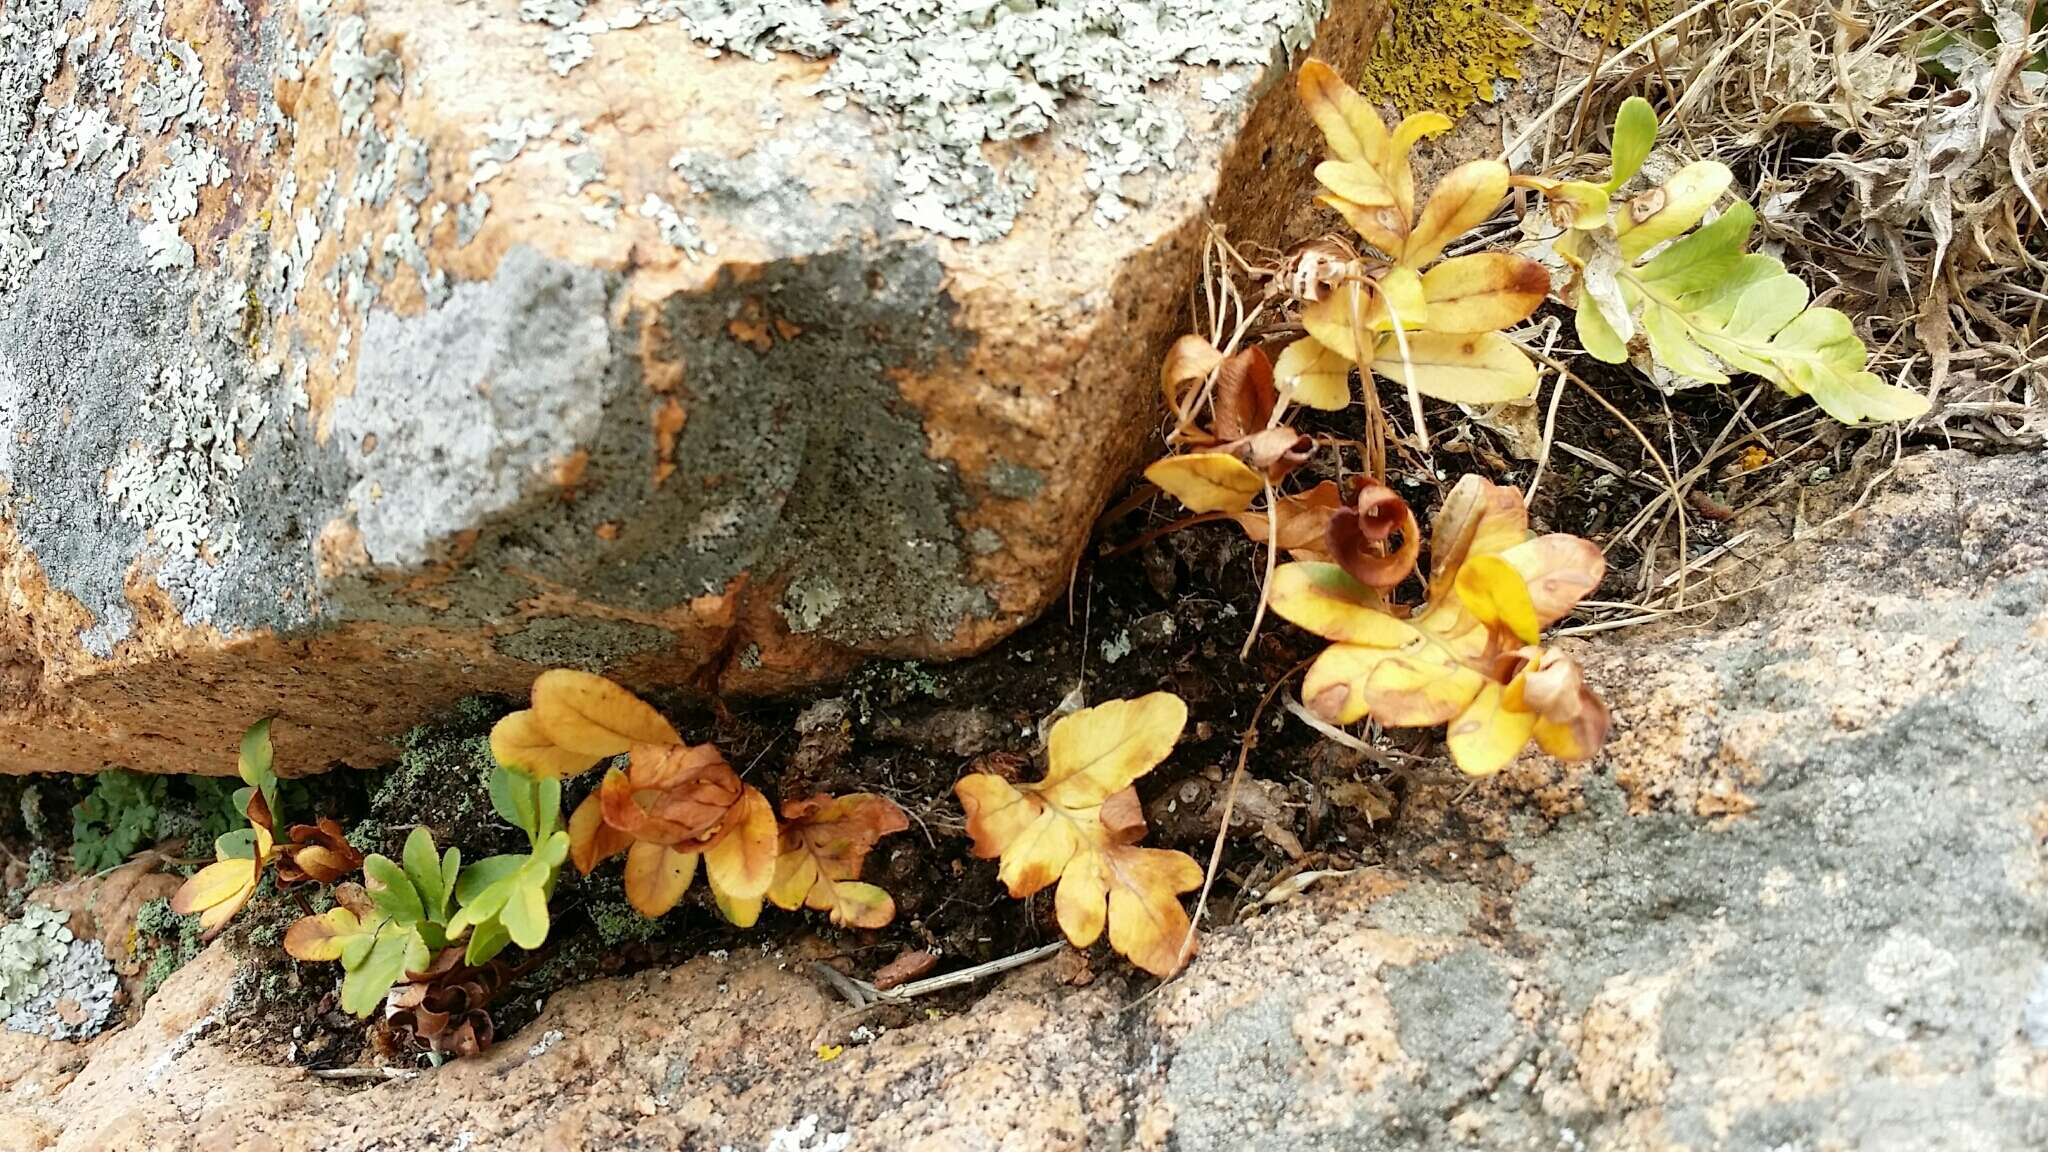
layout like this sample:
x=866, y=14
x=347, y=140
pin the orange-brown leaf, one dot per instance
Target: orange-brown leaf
x=1302, y=518
x=670, y=794
x=1189, y=361
x=824, y=842
x=1363, y=539
x=591, y=840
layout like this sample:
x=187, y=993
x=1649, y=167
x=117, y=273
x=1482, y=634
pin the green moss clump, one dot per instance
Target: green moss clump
x=169, y=940
x=1445, y=55
x=442, y=781
x=617, y=923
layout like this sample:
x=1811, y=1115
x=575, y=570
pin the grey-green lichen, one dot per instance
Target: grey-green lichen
x=52, y=983
x=952, y=75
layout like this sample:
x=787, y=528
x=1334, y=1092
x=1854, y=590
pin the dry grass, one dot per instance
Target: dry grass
x=1909, y=192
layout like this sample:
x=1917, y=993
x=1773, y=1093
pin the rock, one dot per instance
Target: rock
x=1622, y=956
x=359, y=354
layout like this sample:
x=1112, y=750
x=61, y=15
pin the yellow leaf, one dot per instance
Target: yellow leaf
x=1483, y=292
x=1668, y=210
x=1462, y=200
x=830, y=1052
x=1349, y=318
x=1478, y=518
x=1061, y=829
x=1313, y=375
x=1190, y=360
x=1491, y=589
x=1418, y=687
x=657, y=876
x=1571, y=722
x=1358, y=184
x=1559, y=569
x=1099, y=751
x=740, y=865
x=1207, y=481
x=1324, y=599
x=1349, y=123
x=592, y=716
x=1400, y=175
x=315, y=939
x=1334, y=686
x=1464, y=368
x=1382, y=225
x=518, y=743
x=1488, y=735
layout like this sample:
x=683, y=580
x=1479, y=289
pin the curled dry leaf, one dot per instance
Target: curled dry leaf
x=1079, y=827
x=1468, y=657
x=670, y=805
x=824, y=841
x=1362, y=538
x=318, y=853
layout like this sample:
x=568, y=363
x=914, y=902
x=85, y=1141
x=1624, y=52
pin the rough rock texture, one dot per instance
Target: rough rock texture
x=359, y=354
x=1802, y=904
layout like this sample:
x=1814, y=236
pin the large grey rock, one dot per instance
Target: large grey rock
x=358, y=354
x=1801, y=904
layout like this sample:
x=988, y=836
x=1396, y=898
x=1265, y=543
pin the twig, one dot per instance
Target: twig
x=364, y=1073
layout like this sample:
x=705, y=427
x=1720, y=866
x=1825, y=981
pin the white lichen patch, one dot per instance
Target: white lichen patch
x=179, y=485
x=52, y=984
x=952, y=75
x=679, y=230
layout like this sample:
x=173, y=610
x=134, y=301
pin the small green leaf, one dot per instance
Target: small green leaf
x=512, y=798
x=1635, y=130
x=237, y=845
x=396, y=951
x=484, y=875
x=423, y=868
x=392, y=891
x=486, y=942
x=451, y=871
x=254, y=765
x=1704, y=258
x=525, y=915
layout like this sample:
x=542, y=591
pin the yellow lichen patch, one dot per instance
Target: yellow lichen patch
x=1445, y=55
x=1613, y=20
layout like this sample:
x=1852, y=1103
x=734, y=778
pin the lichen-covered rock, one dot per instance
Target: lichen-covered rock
x=1801, y=903
x=358, y=354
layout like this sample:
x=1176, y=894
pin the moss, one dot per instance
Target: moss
x=441, y=781
x=887, y=684
x=166, y=940
x=1445, y=55
x=617, y=923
